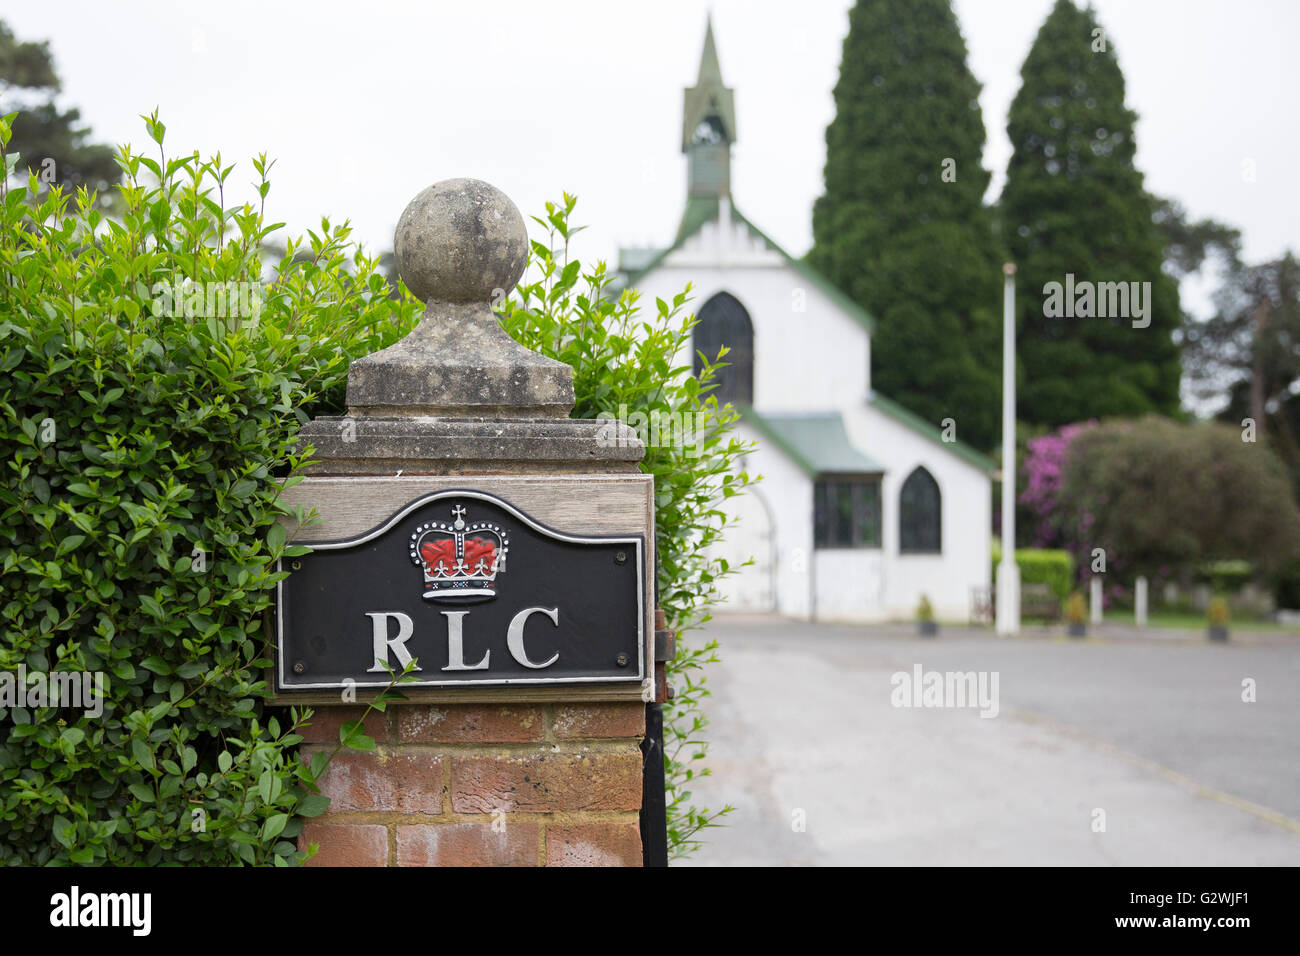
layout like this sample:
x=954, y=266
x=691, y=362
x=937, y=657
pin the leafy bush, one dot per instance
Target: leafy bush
x=144, y=421
x=625, y=366
x=1043, y=466
x=1226, y=576
x=149, y=414
x=1041, y=566
x=1286, y=585
x=1160, y=496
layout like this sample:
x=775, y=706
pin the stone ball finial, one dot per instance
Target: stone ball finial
x=461, y=240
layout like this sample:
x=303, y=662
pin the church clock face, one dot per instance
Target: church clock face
x=707, y=133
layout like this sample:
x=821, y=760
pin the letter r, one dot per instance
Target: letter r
x=383, y=644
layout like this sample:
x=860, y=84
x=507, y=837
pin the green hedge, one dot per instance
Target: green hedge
x=1042, y=566
x=1226, y=577
x=156, y=369
x=143, y=424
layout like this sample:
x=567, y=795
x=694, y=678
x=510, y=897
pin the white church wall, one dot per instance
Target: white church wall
x=966, y=518
x=809, y=356
x=786, y=548
x=849, y=585
x=813, y=360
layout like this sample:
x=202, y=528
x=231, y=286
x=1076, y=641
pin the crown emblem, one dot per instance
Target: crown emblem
x=460, y=560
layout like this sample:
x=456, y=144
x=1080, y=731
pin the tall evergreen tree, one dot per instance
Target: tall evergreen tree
x=50, y=142
x=901, y=227
x=1075, y=204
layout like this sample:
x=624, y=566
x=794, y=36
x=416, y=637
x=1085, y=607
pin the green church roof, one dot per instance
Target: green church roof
x=815, y=441
x=922, y=427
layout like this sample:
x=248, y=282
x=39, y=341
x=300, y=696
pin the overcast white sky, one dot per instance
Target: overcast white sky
x=364, y=104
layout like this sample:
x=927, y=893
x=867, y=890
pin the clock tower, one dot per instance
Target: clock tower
x=709, y=128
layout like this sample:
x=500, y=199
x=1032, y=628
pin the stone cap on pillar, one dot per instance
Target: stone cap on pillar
x=458, y=394
x=461, y=245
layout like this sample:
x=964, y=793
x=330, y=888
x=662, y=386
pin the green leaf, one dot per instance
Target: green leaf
x=313, y=805
x=64, y=831
x=143, y=755
x=273, y=825
x=141, y=792
x=157, y=665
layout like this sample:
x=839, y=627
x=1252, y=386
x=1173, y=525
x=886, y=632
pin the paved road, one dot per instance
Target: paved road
x=1154, y=733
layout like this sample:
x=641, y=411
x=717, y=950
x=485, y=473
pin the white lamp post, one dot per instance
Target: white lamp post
x=1008, y=621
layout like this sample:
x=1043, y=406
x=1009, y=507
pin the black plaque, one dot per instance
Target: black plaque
x=473, y=589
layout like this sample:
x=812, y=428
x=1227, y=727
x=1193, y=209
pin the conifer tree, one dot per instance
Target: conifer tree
x=1075, y=212
x=50, y=142
x=901, y=227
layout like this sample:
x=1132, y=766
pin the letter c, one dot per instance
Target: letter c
x=515, y=635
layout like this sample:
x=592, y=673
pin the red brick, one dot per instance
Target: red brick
x=600, y=720
x=467, y=844
x=325, y=723
x=346, y=844
x=469, y=723
x=593, y=844
x=546, y=782
x=368, y=780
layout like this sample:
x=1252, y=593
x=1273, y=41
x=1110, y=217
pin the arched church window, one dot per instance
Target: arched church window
x=724, y=321
x=920, y=514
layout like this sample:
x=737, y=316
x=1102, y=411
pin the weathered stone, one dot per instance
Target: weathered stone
x=460, y=240
x=460, y=245
x=428, y=445
x=457, y=397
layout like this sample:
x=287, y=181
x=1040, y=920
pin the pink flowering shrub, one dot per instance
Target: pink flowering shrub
x=1044, y=468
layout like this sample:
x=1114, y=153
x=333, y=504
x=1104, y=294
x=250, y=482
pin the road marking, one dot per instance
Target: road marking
x=1173, y=776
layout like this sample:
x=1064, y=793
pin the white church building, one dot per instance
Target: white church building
x=864, y=507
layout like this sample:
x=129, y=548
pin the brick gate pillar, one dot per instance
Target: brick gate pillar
x=490, y=760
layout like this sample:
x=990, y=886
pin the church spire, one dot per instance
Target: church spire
x=710, y=72
x=709, y=126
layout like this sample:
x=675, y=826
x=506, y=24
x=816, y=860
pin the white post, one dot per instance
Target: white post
x=1140, y=601
x=1008, y=571
x=1094, y=588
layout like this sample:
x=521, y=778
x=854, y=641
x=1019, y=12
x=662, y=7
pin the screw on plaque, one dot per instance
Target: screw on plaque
x=299, y=667
x=620, y=558
x=622, y=660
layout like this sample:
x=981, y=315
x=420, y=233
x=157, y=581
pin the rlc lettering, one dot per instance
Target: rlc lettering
x=383, y=644
x=405, y=627
x=515, y=635
x=456, y=644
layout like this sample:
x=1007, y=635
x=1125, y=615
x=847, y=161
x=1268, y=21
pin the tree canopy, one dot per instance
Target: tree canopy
x=901, y=227
x=1075, y=206
x=50, y=142
x=1161, y=497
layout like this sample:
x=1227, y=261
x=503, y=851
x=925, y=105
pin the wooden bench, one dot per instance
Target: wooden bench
x=1037, y=600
